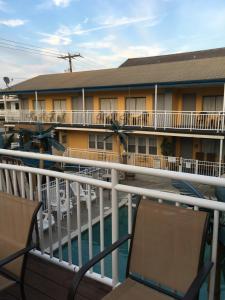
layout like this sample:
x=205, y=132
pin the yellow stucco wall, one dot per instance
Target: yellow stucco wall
x=177, y=95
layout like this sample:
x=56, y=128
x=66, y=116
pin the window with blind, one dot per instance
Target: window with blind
x=135, y=103
x=98, y=141
x=142, y=145
x=108, y=104
x=212, y=103
x=40, y=104
x=59, y=104
x=132, y=144
x=152, y=145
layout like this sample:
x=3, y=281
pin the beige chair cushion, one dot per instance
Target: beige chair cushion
x=5, y=283
x=167, y=244
x=132, y=290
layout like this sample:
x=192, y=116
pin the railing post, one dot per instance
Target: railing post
x=115, y=277
x=214, y=255
x=191, y=121
x=196, y=167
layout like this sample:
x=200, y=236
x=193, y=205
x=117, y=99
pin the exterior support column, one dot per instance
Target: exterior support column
x=155, y=104
x=36, y=101
x=224, y=98
x=220, y=156
x=222, y=126
x=83, y=105
x=5, y=108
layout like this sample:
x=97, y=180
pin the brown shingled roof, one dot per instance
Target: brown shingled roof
x=218, y=52
x=179, y=71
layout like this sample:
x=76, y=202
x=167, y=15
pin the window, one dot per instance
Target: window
x=64, y=138
x=142, y=145
x=92, y=141
x=17, y=106
x=131, y=144
x=108, y=104
x=108, y=143
x=40, y=105
x=212, y=103
x=1, y=105
x=152, y=145
x=136, y=103
x=59, y=105
x=99, y=141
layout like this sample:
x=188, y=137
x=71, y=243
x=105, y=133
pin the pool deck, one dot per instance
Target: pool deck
x=47, y=281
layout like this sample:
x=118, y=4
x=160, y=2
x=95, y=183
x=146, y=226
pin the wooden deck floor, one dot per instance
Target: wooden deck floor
x=46, y=281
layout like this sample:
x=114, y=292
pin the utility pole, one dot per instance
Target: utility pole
x=70, y=56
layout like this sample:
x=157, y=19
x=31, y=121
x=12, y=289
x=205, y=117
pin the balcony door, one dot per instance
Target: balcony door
x=77, y=107
x=186, y=148
x=164, y=104
x=189, y=102
x=212, y=103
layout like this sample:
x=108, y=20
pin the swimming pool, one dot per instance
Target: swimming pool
x=123, y=250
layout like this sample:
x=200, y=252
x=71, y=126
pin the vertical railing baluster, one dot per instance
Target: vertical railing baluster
x=22, y=184
x=68, y=223
x=30, y=187
x=129, y=208
x=59, y=218
x=49, y=216
x=79, y=225
x=115, y=232
x=102, y=240
x=40, y=214
x=90, y=237
x=7, y=181
x=15, y=189
x=214, y=255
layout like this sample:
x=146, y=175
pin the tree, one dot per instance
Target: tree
x=122, y=137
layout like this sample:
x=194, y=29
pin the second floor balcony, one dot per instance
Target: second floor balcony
x=192, y=121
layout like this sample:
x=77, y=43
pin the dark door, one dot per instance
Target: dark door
x=189, y=102
x=186, y=148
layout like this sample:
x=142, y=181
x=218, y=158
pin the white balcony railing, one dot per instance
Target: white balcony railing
x=162, y=162
x=65, y=218
x=182, y=120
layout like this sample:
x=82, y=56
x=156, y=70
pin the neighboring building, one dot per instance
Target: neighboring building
x=171, y=106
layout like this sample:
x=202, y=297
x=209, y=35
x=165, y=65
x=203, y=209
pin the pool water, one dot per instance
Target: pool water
x=123, y=250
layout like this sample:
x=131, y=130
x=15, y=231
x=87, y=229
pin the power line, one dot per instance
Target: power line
x=30, y=46
x=70, y=56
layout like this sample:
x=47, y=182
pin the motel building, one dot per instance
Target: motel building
x=170, y=107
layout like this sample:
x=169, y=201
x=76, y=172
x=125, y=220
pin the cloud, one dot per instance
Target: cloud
x=61, y=3
x=55, y=39
x=63, y=33
x=13, y=22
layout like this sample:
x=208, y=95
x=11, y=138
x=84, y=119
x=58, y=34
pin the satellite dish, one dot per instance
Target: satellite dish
x=7, y=81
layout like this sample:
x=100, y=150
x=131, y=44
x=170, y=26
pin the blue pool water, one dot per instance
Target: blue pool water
x=123, y=250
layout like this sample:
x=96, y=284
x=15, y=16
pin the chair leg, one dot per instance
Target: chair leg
x=22, y=291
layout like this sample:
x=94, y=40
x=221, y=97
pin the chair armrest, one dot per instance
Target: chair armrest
x=15, y=255
x=198, y=281
x=80, y=274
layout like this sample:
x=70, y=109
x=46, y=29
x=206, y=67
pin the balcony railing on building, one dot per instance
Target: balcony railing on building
x=182, y=120
x=171, y=163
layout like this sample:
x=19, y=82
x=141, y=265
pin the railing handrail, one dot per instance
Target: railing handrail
x=201, y=112
x=215, y=181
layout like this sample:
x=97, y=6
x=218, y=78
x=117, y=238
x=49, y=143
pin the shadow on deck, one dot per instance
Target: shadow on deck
x=47, y=281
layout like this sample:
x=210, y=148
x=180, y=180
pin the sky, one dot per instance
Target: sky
x=104, y=32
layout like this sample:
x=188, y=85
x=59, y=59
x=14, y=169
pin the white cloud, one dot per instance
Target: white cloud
x=55, y=39
x=61, y=3
x=13, y=22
